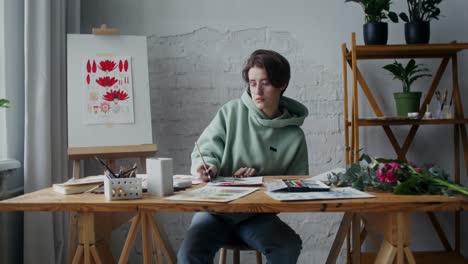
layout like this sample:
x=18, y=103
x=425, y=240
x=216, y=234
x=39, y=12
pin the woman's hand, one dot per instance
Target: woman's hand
x=244, y=172
x=207, y=175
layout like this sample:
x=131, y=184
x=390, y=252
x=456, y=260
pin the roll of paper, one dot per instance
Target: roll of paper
x=160, y=173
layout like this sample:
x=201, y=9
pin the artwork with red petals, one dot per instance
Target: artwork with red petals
x=106, y=81
x=109, y=89
x=107, y=65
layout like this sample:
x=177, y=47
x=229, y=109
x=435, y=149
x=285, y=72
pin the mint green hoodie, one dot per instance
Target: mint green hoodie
x=240, y=135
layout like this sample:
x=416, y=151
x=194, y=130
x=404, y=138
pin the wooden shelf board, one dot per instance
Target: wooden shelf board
x=388, y=121
x=114, y=152
x=364, y=52
x=423, y=257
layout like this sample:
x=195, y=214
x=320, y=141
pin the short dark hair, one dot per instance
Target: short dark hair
x=276, y=66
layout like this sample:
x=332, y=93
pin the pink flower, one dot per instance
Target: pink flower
x=387, y=173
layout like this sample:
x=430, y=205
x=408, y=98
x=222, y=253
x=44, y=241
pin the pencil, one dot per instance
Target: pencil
x=107, y=167
x=207, y=172
x=94, y=188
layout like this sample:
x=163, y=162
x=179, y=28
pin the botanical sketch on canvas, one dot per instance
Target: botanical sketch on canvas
x=109, y=91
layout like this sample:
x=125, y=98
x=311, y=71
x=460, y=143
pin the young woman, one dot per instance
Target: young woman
x=258, y=134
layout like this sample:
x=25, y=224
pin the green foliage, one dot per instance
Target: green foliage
x=407, y=74
x=376, y=10
x=4, y=102
x=421, y=10
x=369, y=175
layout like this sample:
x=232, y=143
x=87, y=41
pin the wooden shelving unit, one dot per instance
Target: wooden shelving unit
x=352, y=123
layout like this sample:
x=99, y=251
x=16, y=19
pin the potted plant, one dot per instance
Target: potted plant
x=375, y=30
x=407, y=101
x=420, y=13
x=4, y=102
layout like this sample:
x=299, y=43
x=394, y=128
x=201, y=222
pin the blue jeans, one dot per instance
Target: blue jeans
x=264, y=232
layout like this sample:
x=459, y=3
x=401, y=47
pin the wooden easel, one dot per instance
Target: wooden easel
x=89, y=240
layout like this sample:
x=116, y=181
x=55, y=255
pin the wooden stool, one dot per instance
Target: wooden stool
x=236, y=247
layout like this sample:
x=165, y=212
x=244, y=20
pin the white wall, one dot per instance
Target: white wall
x=196, y=51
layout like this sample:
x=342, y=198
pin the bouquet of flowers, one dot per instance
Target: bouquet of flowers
x=400, y=177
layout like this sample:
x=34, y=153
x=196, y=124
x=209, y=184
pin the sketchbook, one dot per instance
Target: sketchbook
x=232, y=181
x=334, y=193
x=73, y=185
x=213, y=194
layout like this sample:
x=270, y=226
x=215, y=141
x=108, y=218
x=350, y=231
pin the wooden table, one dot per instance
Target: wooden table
x=393, y=209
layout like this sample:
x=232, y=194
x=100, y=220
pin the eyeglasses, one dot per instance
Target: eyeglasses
x=254, y=86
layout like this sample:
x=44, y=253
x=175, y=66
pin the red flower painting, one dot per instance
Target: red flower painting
x=94, y=67
x=126, y=65
x=107, y=65
x=115, y=96
x=106, y=81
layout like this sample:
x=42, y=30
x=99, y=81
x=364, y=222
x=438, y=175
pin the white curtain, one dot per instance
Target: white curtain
x=45, y=159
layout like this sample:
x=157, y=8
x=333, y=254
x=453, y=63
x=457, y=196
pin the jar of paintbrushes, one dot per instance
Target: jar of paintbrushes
x=445, y=110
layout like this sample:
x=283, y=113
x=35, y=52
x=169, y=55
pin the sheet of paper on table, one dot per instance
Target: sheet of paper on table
x=213, y=194
x=334, y=193
x=231, y=181
x=194, y=179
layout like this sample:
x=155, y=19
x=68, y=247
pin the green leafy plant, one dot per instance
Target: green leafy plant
x=407, y=74
x=421, y=10
x=4, y=102
x=371, y=174
x=376, y=10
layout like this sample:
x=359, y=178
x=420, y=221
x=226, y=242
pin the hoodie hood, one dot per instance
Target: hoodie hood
x=293, y=112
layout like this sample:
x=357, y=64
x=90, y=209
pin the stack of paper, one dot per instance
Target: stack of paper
x=78, y=185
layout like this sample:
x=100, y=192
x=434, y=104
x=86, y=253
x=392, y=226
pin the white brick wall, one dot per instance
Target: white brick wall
x=192, y=75
x=310, y=38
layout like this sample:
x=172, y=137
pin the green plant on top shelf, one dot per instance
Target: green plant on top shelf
x=421, y=10
x=376, y=10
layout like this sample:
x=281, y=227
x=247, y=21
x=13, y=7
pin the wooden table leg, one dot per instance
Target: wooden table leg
x=339, y=238
x=145, y=237
x=150, y=233
x=159, y=241
x=86, y=240
x=356, y=238
x=130, y=239
x=400, y=238
x=78, y=255
x=386, y=253
x=395, y=230
x=72, y=237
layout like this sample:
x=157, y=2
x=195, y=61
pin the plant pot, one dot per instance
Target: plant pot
x=407, y=102
x=375, y=33
x=417, y=32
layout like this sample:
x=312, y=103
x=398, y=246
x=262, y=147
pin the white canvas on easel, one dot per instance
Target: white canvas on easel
x=108, y=91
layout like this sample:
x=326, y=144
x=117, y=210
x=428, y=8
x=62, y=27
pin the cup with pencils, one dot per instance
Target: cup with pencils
x=445, y=108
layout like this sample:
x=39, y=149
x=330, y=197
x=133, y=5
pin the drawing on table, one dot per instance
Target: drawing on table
x=232, y=181
x=334, y=193
x=213, y=194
